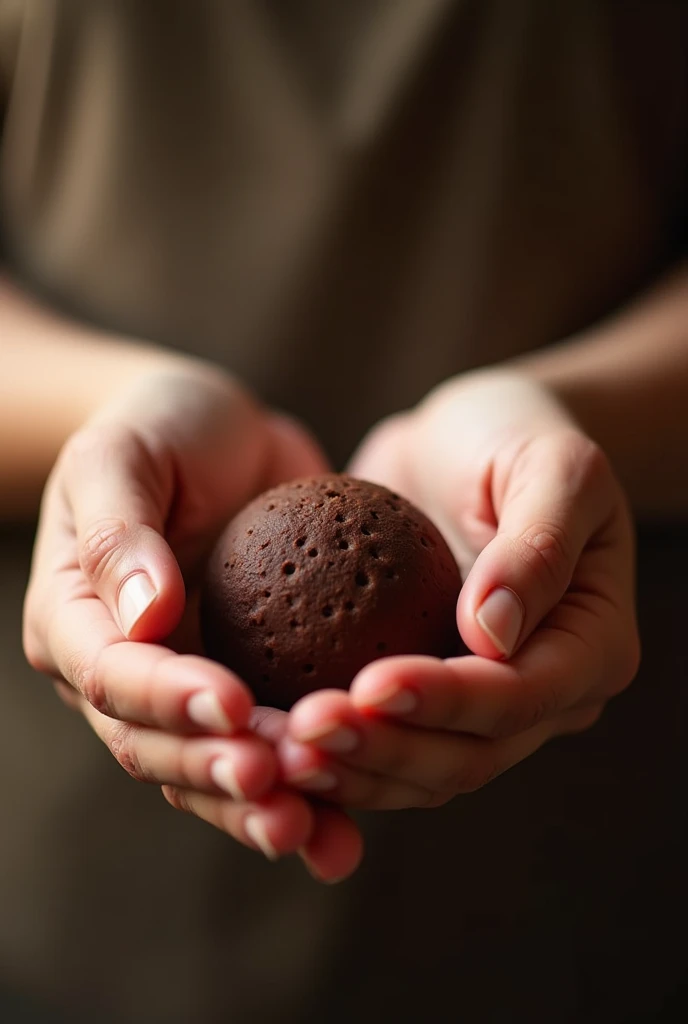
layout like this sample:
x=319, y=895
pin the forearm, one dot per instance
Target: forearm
x=54, y=373
x=626, y=382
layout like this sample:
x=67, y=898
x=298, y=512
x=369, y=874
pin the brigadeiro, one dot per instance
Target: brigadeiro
x=318, y=577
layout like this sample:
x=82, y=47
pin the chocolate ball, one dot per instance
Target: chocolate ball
x=318, y=577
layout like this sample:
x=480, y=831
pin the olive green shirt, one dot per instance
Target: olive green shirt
x=344, y=202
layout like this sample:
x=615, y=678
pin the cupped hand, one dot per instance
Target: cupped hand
x=541, y=531
x=132, y=507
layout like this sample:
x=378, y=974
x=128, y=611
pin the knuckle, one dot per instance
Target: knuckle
x=395, y=761
x=77, y=671
x=123, y=748
x=88, y=680
x=538, y=708
x=522, y=715
x=100, y=546
x=508, y=722
x=92, y=689
x=176, y=799
x=529, y=706
x=546, y=550
x=78, y=667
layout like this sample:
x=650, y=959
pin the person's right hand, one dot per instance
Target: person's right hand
x=131, y=509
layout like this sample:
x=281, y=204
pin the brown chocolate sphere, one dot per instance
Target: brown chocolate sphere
x=318, y=577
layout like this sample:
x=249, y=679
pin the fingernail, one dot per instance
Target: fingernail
x=338, y=739
x=501, y=616
x=223, y=775
x=204, y=709
x=135, y=597
x=314, y=873
x=257, y=833
x=316, y=780
x=400, y=702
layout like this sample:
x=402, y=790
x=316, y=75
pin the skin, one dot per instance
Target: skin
x=508, y=462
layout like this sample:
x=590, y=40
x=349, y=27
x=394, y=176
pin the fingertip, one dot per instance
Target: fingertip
x=135, y=573
x=151, y=603
x=501, y=617
x=297, y=759
x=374, y=683
x=249, y=773
x=222, y=704
x=490, y=617
x=316, y=710
x=282, y=822
x=335, y=849
x=270, y=723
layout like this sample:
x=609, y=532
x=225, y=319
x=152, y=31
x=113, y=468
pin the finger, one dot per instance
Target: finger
x=276, y=825
x=244, y=767
x=558, y=493
x=270, y=723
x=143, y=683
x=428, y=759
x=307, y=769
x=335, y=848
x=583, y=655
x=119, y=493
x=442, y=763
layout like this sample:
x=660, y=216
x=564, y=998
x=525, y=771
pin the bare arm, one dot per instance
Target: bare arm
x=54, y=373
x=626, y=381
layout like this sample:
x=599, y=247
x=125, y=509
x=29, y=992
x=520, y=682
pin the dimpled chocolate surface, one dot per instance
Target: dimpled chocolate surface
x=318, y=577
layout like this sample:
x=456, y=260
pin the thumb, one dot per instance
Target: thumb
x=119, y=496
x=557, y=497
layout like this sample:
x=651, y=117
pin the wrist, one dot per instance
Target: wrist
x=55, y=375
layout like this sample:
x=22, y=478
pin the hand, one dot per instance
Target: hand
x=135, y=501
x=540, y=529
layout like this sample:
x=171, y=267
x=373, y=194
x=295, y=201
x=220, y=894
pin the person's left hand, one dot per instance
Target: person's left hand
x=540, y=529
